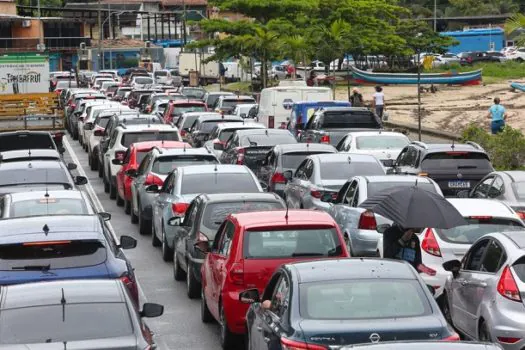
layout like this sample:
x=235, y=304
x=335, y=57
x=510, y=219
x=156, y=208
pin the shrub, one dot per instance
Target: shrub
x=506, y=149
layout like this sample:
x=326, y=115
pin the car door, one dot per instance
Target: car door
x=275, y=320
x=121, y=174
x=293, y=187
x=482, y=189
x=183, y=232
x=229, y=154
x=138, y=183
x=223, y=254
x=209, y=284
x=342, y=145
x=267, y=168
x=162, y=200
x=307, y=134
x=462, y=291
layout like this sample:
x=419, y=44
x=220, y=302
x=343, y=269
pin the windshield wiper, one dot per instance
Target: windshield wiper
x=308, y=254
x=43, y=268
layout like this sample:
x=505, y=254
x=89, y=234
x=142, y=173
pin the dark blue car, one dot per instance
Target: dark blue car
x=60, y=247
x=326, y=304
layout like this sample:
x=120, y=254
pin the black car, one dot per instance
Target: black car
x=204, y=125
x=25, y=139
x=469, y=58
x=37, y=175
x=84, y=314
x=455, y=167
x=249, y=147
x=330, y=303
x=59, y=247
x=30, y=154
x=201, y=222
x=287, y=157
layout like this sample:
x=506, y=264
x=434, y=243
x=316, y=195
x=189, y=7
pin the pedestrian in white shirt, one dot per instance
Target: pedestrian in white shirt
x=379, y=101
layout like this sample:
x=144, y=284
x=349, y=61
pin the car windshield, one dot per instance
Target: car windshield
x=289, y=243
x=78, y=322
x=265, y=140
x=362, y=299
x=218, y=183
x=293, y=159
x=374, y=188
x=20, y=177
x=348, y=120
x=215, y=213
x=143, y=80
x=381, y=142
x=345, y=170
x=212, y=99
x=103, y=122
x=14, y=142
x=477, y=227
x=457, y=160
x=519, y=190
x=62, y=84
x=133, y=137
x=161, y=73
x=178, y=110
x=197, y=93
x=188, y=121
x=209, y=125
x=48, y=206
x=165, y=165
x=230, y=104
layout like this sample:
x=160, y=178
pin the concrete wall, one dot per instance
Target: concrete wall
x=33, y=31
x=7, y=7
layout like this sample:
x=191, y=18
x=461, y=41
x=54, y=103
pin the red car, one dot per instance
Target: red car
x=132, y=159
x=176, y=108
x=247, y=250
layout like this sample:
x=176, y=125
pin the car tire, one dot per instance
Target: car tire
x=193, y=287
x=120, y=201
x=155, y=241
x=206, y=316
x=75, y=135
x=228, y=339
x=100, y=169
x=167, y=253
x=144, y=225
x=127, y=207
x=90, y=161
x=106, y=183
x=80, y=141
x=134, y=218
x=112, y=189
x=178, y=272
x=483, y=332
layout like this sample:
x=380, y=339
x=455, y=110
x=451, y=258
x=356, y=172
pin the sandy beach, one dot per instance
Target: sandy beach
x=451, y=108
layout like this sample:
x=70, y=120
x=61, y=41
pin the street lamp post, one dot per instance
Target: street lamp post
x=419, y=89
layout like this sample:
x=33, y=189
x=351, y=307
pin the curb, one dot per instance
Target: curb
x=426, y=131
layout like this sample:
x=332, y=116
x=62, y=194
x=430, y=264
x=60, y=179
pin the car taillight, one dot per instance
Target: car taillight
x=278, y=178
x=183, y=133
x=508, y=340
x=120, y=155
x=73, y=106
x=237, y=274
x=316, y=194
x=453, y=337
x=367, y=221
x=179, y=208
x=132, y=287
x=325, y=139
x=153, y=180
x=287, y=344
x=430, y=243
x=240, y=155
x=521, y=214
x=507, y=286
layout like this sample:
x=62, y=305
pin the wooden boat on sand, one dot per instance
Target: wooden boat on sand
x=447, y=78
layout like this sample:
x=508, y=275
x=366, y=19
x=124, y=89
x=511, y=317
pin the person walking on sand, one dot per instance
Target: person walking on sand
x=378, y=101
x=498, y=115
x=356, y=99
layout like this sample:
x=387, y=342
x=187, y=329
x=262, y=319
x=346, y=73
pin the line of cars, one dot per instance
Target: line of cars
x=201, y=197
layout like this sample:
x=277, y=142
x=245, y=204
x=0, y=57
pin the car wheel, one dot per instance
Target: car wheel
x=228, y=339
x=106, y=183
x=127, y=207
x=134, y=218
x=86, y=147
x=445, y=308
x=206, y=316
x=178, y=272
x=155, y=241
x=94, y=162
x=193, y=286
x=484, y=334
x=112, y=189
x=167, y=252
x=144, y=225
x=100, y=169
x=120, y=201
x=90, y=161
x=75, y=135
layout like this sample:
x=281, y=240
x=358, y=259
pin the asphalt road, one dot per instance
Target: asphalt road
x=180, y=327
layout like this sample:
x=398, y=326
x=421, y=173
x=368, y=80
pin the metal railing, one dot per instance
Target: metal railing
x=52, y=43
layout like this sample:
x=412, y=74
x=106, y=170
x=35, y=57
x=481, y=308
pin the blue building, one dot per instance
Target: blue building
x=492, y=39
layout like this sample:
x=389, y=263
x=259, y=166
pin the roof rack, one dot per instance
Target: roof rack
x=475, y=145
x=420, y=144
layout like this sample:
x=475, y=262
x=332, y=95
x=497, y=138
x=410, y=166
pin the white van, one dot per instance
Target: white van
x=274, y=103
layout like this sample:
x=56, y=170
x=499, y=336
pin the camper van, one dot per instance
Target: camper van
x=275, y=102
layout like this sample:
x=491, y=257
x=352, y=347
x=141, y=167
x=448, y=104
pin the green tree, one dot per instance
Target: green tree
x=298, y=48
x=515, y=23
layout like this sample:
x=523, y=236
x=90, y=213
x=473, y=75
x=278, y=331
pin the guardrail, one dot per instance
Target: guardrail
x=16, y=105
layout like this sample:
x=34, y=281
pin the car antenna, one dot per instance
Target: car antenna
x=452, y=146
x=286, y=215
x=45, y=229
x=184, y=149
x=46, y=195
x=63, y=302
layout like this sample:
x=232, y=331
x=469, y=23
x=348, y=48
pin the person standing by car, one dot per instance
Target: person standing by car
x=378, y=101
x=356, y=99
x=403, y=244
x=498, y=115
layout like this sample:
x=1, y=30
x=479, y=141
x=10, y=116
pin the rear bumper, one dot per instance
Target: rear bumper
x=507, y=319
x=364, y=243
x=235, y=312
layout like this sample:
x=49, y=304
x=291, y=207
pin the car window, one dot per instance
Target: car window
x=473, y=258
x=350, y=193
x=373, y=188
x=167, y=187
x=143, y=167
x=164, y=165
x=113, y=138
x=347, y=119
x=48, y=206
x=355, y=199
x=133, y=137
x=281, y=297
x=189, y=218
x=494, y=258
x=300, y=172
x=227, y=238
x=218, y=183
x=12, y=177
x=344, y=170
x=457, y=160
x=309, y=169
x=291, y=160
x=381, y=142
x=482, y=189
x=497, y=188
x=267, y=140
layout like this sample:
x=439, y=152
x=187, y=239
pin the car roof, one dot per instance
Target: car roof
x=231, y=197
x=38, y=164
x=396, y=178
x=7, y=155
x=148, y=127
x=189, y=150
x=298, y=147
x=219, y=93
x=237, y=97
x=184, y=101
x=51, y=292
x=352, y=268
x=24, y=132
x=518, y=237
x=481, y=207
x=22, y=196
x=245, y=125
x=343, y=157
x=148, y=145
x=264, y=131
x=56, y=223
x=515, y=175
x=218, y=116
x=320, y=103
x=278, y=218
x=346, y=109
x=449, y=147
x=191, y=114
x=212, y=168
x=376, y=133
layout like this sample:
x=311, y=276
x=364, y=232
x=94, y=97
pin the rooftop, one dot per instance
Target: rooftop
x=56, y=223
x=210, y=169
x=148, y=145
x=277, y=218
x=482, y=207
x=230, y=197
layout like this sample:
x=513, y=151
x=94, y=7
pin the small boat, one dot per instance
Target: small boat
x=518, y=86
x=448, y=78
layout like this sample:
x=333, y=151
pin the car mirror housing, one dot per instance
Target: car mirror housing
x=80, y=180
x=382, y=228
x=127, y=242
x=250, y=296
x=152, y=310
x=152, y=189
x=202, y=246
x=452, y=266
x=105, y=216
x=71, y=166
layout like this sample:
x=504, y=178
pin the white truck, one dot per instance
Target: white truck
x=208, y=72
x=21, y=74
x=275, y=102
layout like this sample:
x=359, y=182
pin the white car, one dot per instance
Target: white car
x=384, y=145
x=141, y=81
x=89, y=123
x=439, y=246
x=91, y=112
x=222, y=133
x=517, y=54
x=245, y=110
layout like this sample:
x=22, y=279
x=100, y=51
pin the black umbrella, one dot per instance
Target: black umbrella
x=414, y=207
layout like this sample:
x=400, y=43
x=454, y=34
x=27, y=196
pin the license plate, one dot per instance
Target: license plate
x=459, y=184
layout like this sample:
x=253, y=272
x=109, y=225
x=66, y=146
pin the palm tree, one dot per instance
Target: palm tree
x=265, y=44
x=516, y=23
x=297, y=47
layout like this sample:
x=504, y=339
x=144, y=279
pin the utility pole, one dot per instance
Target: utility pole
x=110, y=29
x=435, y=15
x=184, y=21
x=101, y=59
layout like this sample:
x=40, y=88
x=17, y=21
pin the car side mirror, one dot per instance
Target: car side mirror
x=88, y=126
x=382, y=228
x=130, y=172
x=391, y=171
x=127, y=242
x=452, y=266
x=80, y=180
x=243, y=115
x=218, y=146
x=151, y=310
x=327, y=198
x=105, y=216
x=152, y=189
x=431, y=290
x=288, y=174
x=250, y=296
x=116, y=162
x=264, y=186
x=175, y=221
x=99, y=133
x=202, y=246
x=463, y=194
x=71, y=166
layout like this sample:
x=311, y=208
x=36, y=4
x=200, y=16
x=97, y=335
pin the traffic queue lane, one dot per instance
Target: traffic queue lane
x=180, y=327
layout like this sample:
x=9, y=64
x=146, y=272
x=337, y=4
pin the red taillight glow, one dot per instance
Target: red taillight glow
x=430, y=244
x=278, y=178
x=179, y=208
x=237, y=274
x=508, y=340
x=453, y=337
x=316, y=194
x=367, y=221
x=183, y=133
x=120, y=155
x=30, y=244
x=507, y=286
x=153, y=180
x=480, y=217
x=521, y=214
x=240, y=155
x=287, y=344
x=132, y=287
x=325, y=139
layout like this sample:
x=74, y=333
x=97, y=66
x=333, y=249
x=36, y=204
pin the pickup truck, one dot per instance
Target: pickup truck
x=330, y=124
